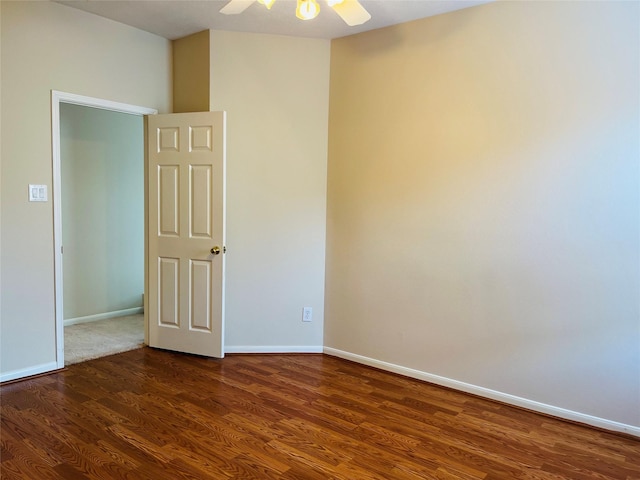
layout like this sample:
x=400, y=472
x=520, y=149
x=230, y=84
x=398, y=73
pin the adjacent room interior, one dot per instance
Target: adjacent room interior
x=102, y=173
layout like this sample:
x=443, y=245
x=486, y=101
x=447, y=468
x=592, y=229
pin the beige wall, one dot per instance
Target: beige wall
x=49, y=46
x=483, y=201
x=275, y=90
x=191, y=82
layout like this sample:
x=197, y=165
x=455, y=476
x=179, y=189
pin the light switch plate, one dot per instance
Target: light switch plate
x=37, y=193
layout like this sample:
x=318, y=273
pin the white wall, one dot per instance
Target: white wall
x=275, y=90
x=483, y=201
x=102, y=165
x=49, y=46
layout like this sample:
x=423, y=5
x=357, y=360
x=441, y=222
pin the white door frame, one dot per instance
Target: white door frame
x=56, y=99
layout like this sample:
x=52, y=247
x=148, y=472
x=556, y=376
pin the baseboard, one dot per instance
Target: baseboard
x=487, y=393
x=28, y=372
x=273, y=349
x=103, y=316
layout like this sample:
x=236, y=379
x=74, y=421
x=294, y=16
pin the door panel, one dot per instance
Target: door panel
x=169, y=290
x=169, y=195
x=200, y=318
x=186, y=167
x=201, y=198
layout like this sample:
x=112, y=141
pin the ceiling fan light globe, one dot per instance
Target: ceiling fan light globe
x=307, y=9
x=332, y=3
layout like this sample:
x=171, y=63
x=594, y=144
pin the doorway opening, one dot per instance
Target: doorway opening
x=99, y=225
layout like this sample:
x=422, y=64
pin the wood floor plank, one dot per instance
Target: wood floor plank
x=152, y=414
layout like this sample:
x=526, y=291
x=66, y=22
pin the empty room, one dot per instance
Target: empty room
x=400, y=239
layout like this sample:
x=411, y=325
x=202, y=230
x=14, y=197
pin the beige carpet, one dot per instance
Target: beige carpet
x=85, y=341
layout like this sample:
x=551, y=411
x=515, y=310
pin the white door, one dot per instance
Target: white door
x=186, y=208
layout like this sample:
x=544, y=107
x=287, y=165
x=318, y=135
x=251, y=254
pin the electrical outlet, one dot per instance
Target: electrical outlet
x=307, y=314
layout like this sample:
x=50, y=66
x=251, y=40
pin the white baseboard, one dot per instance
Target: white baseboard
x=273, y=349
x=28, y=372
x=487, y=393
x=103, y=316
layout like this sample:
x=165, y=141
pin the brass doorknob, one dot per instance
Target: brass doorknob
x=215, y=250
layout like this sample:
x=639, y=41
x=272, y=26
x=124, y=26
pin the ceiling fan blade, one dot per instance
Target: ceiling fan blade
x=236, y=6
x=352, y=12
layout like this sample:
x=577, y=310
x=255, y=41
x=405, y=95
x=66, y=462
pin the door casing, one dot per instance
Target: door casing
x=57, y=98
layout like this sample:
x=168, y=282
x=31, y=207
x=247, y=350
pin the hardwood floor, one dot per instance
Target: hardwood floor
x=149, y=414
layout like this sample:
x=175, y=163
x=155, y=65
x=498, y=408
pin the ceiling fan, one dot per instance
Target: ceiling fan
x=351, y=11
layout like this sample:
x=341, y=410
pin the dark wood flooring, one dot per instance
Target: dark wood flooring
x=149, y=414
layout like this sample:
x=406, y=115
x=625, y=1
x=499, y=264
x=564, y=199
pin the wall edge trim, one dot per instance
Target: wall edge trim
x=103, y=316
x=488, y=393
x=273, y=349
x=28, y=372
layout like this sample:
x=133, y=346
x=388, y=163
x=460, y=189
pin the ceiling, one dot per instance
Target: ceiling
x=178, y=18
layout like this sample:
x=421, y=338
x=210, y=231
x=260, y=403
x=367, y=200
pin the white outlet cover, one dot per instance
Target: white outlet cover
x=37, y=193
